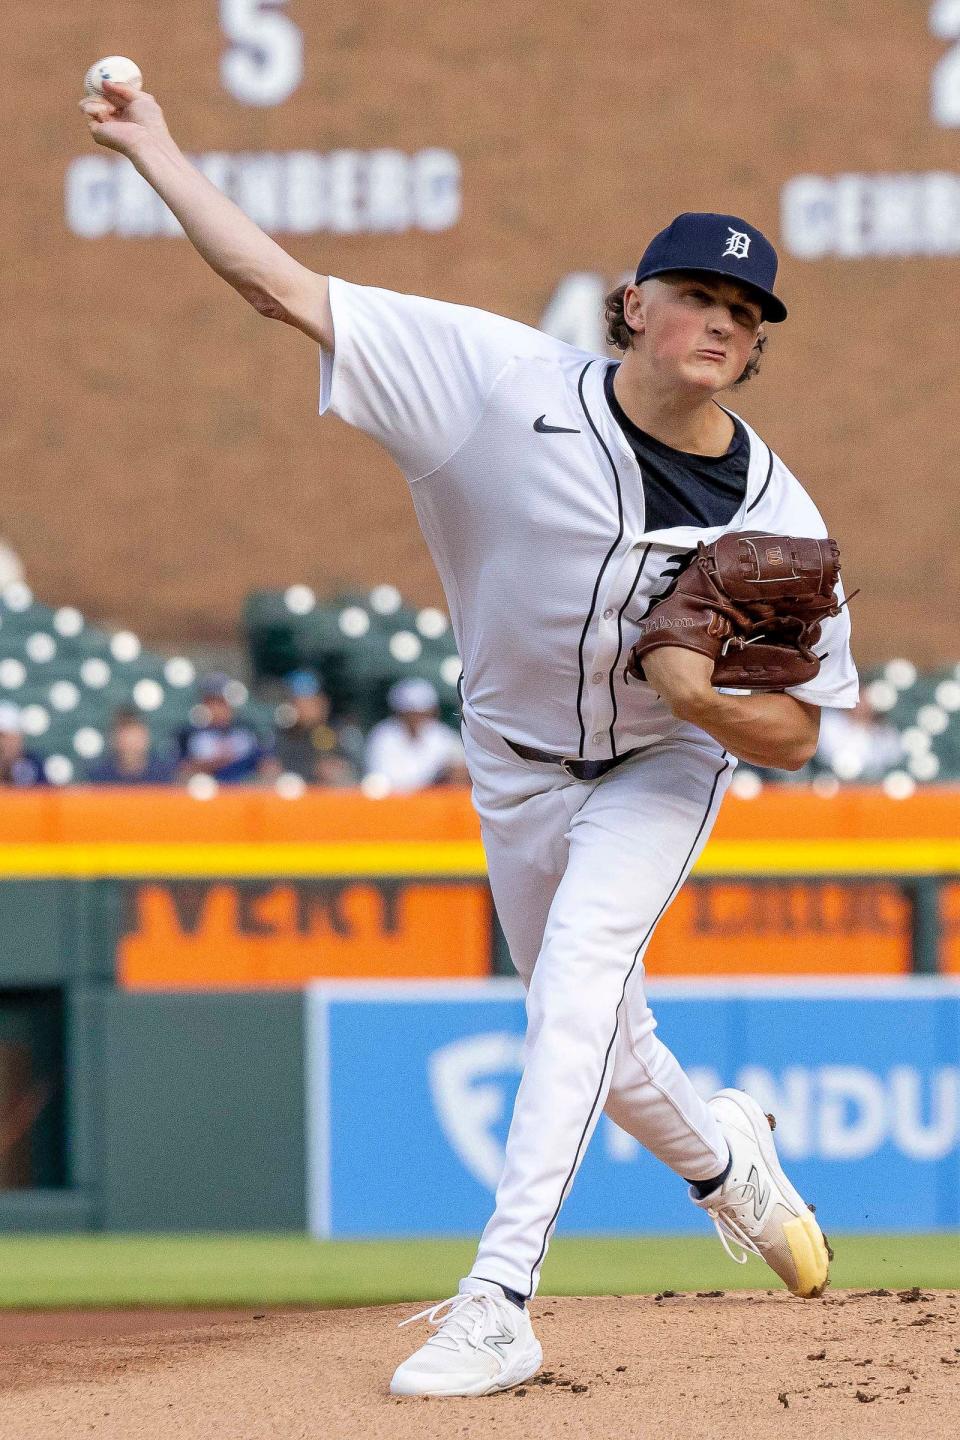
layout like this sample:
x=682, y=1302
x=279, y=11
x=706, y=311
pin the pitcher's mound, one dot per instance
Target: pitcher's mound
x=874, y=1364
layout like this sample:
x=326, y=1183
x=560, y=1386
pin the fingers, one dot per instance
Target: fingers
x=120, y=95
x=121, y=116
x=114, y=101
x=98, y=110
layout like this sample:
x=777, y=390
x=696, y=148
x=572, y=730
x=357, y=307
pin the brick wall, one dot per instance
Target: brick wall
x=161, y=446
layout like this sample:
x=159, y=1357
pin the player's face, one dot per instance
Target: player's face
x=698, y=330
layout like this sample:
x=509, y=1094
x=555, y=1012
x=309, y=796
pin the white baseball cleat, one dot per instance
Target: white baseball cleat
x=483, y=1343
x=756, y=1207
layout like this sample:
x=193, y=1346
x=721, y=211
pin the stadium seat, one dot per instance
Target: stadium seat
x=360, y=642
x=68, y=677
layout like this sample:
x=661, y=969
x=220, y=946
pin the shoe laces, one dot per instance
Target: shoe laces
x=461, y=1318
x=728, y=1227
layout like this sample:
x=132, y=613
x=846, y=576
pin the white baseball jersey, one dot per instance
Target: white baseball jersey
x=532, y=503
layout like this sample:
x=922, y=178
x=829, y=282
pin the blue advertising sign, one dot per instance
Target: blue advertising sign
x=410, y=1088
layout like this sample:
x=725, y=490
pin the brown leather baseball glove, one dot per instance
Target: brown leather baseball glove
x=753, y=603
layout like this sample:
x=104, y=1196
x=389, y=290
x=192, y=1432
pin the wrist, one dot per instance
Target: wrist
x=698, y=707
x=149, y=145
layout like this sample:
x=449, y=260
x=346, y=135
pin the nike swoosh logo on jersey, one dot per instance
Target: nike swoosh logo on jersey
x=543, y=429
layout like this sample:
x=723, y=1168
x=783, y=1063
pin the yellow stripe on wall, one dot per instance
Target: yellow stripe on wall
x=359, y=857
x=831, y=857
x=449, y=859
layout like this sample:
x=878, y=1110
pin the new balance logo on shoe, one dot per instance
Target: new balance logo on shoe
x=760, y=1196
x=498, y=1341
x=544, y=429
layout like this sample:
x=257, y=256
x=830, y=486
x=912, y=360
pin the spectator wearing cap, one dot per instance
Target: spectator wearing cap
x=413, y=749
x=308, y=743
x=131, y=758
x=220, y=745
x=18, y=768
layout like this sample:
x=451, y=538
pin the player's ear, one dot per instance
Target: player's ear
x=633, y=309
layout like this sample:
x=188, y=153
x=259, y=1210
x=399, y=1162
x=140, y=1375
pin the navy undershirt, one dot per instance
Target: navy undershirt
x=679, y=488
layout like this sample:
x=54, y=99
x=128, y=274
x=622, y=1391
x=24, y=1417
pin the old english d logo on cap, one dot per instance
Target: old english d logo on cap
x=717, y=245
x=738, y=245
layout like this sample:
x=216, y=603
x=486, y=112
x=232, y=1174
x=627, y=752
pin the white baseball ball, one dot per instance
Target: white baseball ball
x=112, y=67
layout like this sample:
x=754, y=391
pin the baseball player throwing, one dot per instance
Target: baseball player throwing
x=602, y=531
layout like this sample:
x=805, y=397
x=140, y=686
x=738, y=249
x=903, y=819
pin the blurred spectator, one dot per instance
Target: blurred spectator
x=10, y=567
x=220, y=745
x=855, y=744
x=413, y=749
x=17, y=766
x=308, y=744
x=130, y=757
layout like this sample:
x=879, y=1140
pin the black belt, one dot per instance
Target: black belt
x=578, y=769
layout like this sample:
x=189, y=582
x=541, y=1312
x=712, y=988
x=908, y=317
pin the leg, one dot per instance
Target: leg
x=631, y=844
x=484, y=1342
x=525, y=813
x=588, y=890
x=650, y=1096
x=653, y=1099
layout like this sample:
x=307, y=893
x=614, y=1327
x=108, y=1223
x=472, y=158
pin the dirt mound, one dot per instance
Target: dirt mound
x=872, y=1363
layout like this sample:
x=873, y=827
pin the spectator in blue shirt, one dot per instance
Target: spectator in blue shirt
x=222, y=746
x=130, y=757
x=18, y=768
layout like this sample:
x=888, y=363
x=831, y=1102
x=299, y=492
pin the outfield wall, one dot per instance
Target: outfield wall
x=382, y=1108
x=154, y=952
x=253, y=891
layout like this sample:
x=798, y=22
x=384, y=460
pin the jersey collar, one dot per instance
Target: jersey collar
x=680, y=536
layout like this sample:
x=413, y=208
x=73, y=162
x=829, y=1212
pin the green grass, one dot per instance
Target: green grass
x=115, y=1270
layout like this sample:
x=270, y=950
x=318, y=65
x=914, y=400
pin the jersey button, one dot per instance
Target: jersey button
x=598, y=738
x=597, y=677
x=608, y=613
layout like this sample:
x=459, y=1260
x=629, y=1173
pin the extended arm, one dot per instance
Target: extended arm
x=275, y=284
x=764, y=729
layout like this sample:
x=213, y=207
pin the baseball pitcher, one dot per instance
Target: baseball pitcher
x=641, y=593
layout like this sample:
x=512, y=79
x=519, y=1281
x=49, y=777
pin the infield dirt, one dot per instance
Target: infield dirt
x=717, y=1365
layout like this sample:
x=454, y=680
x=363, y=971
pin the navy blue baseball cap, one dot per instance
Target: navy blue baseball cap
x=717, y=245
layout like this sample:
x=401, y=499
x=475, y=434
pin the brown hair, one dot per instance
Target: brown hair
x=620, y=336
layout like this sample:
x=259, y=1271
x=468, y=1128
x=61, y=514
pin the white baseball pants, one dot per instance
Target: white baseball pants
x=581, y=871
